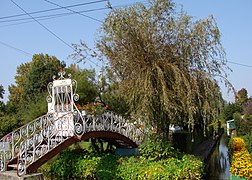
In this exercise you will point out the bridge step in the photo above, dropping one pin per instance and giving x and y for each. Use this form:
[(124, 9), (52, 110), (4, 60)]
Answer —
[(12, 166), (12, 175)]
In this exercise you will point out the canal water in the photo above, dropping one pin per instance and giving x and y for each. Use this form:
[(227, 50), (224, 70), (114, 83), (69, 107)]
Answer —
[(218, 165)]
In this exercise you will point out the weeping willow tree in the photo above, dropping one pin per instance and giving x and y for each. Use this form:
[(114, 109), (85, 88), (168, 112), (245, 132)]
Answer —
[(167, 63)]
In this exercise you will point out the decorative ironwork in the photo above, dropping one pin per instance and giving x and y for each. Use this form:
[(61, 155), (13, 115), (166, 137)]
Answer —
[(10, 143), (62, 93), (44, 140), (49, 88), (33, 140)]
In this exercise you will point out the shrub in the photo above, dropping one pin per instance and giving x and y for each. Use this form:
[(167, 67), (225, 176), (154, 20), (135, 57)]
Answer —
[(238, 144), (241, 160), (70, 164), (243, 124), (97, 166), (156, 149), (248, 141), (95, 108), (157, 160), (188, 167)]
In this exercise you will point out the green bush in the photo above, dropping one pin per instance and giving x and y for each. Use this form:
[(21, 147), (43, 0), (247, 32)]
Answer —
[(188, 167), (248, 141), (102, 166), (156, 149), (81, 165), (243, 124), (62, 167), (157, 160)]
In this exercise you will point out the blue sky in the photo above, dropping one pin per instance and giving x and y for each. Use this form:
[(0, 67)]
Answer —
[(19, 40)]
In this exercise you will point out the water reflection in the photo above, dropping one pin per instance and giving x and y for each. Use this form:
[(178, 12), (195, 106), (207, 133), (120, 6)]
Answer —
[(218, 165)]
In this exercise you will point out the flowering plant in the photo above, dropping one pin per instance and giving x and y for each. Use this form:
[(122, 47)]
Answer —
[(241, 159), (95, 108)]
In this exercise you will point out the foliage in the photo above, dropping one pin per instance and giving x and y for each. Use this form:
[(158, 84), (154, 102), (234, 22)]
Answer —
[(1, 91), (241, 159), (116, 103), (238, 144), (166, 62), (167, 163), (40, 73), (17, 92), (230, 109), (2, 105), (27, 99), (140, 168), (102, 166), (111, 94), (241, 96), (14, 118), (87, 88), (248, 141), (156, 149), (36, 108), (241, 99), (242, 105), (243, 124), (247, 106), (7, 123), (95, 108), (80, 165), (2, 108), (70, 164), (32, 79)]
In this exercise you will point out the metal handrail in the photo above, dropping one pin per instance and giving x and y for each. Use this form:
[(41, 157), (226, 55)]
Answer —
[(43, 134), (34, 147), (39, 142), (9, 144)]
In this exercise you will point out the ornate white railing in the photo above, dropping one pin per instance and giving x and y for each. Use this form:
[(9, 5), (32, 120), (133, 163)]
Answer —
[(71, 124), (63, 120), (108, 121), (10, 143), (41, 141)]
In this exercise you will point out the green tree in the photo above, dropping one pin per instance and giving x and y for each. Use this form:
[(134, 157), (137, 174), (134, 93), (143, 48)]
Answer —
[(230, 109), (243, 124), (2, 105), (17, 95), (111, 95), (40, 73), (7, 124), (32, 79), (247, 106), (87, 87), (241, 96), (27, 99), (1, 91), (166, 62)]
